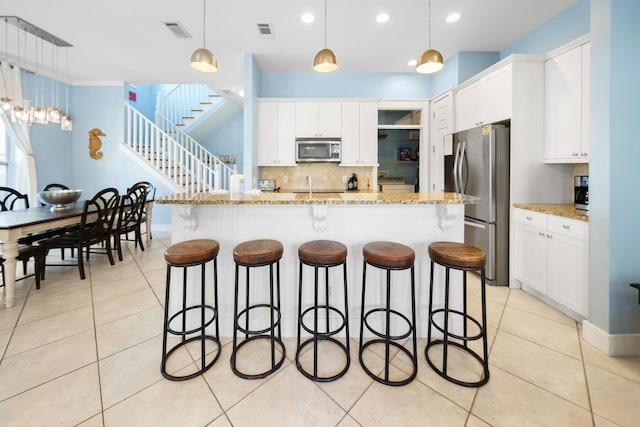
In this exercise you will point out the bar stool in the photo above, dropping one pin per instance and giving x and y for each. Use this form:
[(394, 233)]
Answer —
[(389, 256), (187, 254), (458, 256), (322, 254), (258, 253)]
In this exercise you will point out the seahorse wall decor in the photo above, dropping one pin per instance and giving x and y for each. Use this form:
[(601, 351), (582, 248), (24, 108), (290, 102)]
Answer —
[(95, 143)]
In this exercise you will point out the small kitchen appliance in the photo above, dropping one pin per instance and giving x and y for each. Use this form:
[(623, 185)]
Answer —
[(581, 192), (317, 150)]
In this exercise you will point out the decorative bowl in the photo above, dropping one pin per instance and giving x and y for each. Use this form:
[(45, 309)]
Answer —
[(60, 198)]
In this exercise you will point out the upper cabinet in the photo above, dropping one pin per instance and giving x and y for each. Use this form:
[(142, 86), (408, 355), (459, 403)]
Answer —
[(359, 134), (318, 120), (441, 126), (486, 100), (567, 100), (276, 133)]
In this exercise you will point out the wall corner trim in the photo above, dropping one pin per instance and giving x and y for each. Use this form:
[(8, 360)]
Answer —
[(611, 344)]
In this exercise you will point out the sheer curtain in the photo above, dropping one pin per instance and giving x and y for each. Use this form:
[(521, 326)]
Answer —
[(23, 165)]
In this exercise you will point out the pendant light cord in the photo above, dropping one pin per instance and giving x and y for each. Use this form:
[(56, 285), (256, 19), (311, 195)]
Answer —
[(204, 23), (429, 24), (325, 24)]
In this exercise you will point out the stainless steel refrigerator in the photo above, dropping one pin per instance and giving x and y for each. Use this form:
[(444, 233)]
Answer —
[(479, 166)]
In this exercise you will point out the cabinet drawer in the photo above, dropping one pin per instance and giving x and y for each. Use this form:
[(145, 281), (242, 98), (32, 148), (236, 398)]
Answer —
[(568, 227), (532, 218)]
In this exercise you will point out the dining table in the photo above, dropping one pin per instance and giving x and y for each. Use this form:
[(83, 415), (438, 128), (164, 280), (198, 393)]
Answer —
[(21, 222)]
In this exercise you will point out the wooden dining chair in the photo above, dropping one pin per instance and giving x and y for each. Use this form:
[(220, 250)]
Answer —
[(151, 196), (130, 217), (95, 228), (11, 199)]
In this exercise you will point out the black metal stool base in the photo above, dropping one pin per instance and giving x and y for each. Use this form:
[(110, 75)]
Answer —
[(386, 380), (439, 371), (314, 376), (204, 367), (274, 365)]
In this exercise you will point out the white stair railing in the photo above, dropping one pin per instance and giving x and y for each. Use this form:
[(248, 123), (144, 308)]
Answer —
[(184, 101), (172, 158)]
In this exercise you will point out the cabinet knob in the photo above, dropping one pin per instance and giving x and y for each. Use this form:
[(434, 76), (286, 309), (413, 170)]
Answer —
[(549, 236), (541, 233), (528, 218), (574, 154), (584, 154), (566, 227)]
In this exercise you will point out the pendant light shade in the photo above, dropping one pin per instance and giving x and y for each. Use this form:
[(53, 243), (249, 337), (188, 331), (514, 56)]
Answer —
[(325, 60), (203, 59), (431, 60)]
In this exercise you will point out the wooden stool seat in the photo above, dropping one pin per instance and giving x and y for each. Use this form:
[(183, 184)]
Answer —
[(191, 252), (258, 252), (388, 255), (457, 255), (322, 252)]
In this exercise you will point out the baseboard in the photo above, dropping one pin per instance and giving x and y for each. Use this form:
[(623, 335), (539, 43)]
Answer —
[(160, 227), (611, 344)]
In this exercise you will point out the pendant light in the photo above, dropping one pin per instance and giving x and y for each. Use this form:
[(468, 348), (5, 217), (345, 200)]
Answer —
[(202, 59), (325, 60), (20, 113), (53, 112), (431, 60), (38, 112), (6, 102), (66, 123)]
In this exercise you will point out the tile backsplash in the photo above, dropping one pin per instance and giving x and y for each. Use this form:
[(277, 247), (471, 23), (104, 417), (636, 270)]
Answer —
[(324, 176)]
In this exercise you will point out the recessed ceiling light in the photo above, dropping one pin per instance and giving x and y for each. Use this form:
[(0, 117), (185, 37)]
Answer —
[(412, 63), (382, 18), (453, 17), (308, 18), (241, 93)]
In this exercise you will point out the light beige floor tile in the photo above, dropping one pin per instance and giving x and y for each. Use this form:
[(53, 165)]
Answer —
[(509, 401), (474, 421), (106, 290), (349, 388), (157, 405), (462, 396), (156, 277), (129, 371), (409, 405), (603, 422), (124, 305), (9, 316), (65, 401), (542, 331), (497, 294), (42, 306), (4, 339), (228, 388), (494, 312), (151, 260), (119, 271), (42, 332), (221, 421), (129, 331), (526, 302), (37, 366), (628, 367), (614, 397), (560, 374), (298, 402), (348, 421), (159, 292), (92, 422)]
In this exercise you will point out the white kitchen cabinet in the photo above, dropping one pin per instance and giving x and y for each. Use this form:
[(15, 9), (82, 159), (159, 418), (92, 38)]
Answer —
[(276, 133), (318, 119), (359, 134), (441, 126), (487, 100), (552, 254), (567, 100)]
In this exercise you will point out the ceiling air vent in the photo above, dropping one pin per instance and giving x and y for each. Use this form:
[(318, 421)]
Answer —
[(265, 30), (178, 30)]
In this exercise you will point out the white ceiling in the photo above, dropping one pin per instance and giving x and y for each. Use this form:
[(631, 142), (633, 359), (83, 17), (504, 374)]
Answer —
[(126, 41)]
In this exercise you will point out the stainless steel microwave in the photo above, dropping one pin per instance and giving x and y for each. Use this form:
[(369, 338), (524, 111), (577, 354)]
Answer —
[(317, 150)]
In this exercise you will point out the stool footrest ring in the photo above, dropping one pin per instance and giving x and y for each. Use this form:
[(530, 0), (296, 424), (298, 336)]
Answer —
[(184, 312), (340, 327), (382, 335), (465, 317), (261, 331)]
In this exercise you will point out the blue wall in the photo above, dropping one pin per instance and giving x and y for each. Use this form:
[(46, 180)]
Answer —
[(227, 139)]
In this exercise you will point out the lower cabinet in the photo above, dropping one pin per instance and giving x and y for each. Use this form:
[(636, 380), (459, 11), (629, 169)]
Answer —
[(552, 257)]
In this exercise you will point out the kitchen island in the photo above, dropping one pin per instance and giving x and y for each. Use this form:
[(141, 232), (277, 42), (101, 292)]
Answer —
[(353, 218)]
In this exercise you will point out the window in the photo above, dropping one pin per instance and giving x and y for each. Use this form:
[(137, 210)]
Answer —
[(4, 155)]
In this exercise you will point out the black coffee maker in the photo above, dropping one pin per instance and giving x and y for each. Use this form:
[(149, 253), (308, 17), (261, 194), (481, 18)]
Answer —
[(581, 192)]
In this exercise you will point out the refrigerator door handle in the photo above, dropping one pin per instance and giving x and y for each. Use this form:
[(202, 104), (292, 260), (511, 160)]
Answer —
[(463, 185), (454, 172), (475, 224)]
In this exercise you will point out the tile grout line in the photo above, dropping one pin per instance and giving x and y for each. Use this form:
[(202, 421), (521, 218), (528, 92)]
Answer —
[(95, 337)]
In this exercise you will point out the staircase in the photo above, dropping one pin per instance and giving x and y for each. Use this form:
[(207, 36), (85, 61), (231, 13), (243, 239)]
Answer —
[(180, 160)]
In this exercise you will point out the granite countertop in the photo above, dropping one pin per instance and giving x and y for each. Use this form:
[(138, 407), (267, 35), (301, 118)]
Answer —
[(358, 197), (564, 210)]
